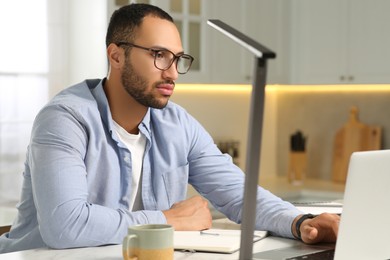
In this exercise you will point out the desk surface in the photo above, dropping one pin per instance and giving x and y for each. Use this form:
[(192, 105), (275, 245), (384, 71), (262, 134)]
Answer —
[(115, 252), (280, 186)]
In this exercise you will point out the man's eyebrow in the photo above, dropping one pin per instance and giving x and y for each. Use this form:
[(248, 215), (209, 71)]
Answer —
[(165, 49)]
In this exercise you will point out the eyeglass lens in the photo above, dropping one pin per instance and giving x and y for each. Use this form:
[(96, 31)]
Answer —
[(164, 59), (183, 64)]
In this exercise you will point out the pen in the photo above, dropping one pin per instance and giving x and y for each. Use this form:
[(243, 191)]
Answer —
[(227, 234), (202, 232)]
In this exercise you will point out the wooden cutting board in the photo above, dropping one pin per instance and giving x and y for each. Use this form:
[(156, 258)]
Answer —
[(353, 136)]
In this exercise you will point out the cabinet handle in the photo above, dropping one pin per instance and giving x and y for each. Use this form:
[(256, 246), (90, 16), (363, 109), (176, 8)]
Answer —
[(342, 78), (350, 78)]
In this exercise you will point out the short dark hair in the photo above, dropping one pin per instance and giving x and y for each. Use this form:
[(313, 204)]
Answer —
[(125, 20)]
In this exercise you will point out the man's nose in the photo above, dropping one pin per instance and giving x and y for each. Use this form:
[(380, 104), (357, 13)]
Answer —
[(171, 73)]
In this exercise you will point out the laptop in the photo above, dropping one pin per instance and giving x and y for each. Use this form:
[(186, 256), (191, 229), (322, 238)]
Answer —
[(365, 222)]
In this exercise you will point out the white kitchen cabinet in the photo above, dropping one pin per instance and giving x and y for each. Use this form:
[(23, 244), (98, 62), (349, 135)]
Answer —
[(262, 20), (316, 41), (267, 21), (340, 42), (218, 59), (225, 60)]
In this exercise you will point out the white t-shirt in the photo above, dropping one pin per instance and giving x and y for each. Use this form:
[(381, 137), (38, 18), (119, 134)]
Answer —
[(136, 145)]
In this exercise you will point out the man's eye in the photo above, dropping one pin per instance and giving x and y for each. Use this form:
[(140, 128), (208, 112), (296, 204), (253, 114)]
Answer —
[(159, 54)]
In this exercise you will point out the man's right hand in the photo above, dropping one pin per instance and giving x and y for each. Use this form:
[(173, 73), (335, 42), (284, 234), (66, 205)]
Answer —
[(190, 214)]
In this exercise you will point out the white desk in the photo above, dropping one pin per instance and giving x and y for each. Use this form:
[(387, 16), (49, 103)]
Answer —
[(115, 252)]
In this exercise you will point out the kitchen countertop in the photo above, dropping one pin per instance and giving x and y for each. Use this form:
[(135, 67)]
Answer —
[(310, 190), (280, 186)]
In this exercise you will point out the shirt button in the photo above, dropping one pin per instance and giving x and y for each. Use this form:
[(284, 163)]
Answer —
[(127, 159)]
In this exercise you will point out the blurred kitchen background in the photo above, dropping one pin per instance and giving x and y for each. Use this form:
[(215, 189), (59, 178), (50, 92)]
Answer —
[(331, 55)]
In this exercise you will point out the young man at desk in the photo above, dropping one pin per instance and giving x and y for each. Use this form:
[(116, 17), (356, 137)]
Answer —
[(107, 154)]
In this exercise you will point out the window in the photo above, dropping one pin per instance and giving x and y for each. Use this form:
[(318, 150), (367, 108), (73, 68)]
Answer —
[(23, 85)]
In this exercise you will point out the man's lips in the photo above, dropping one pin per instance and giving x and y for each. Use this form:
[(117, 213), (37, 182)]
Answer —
[(165, 89)]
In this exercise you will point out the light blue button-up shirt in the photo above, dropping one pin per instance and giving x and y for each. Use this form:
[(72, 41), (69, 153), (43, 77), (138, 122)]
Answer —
[(77, 178)]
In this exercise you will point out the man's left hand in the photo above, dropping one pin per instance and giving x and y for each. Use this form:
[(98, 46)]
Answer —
[(322, 228)]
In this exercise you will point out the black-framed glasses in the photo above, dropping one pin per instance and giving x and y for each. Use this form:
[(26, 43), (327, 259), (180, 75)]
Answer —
[(163, 58)]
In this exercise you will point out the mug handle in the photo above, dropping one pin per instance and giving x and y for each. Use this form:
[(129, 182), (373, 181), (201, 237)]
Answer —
[(128, 244)]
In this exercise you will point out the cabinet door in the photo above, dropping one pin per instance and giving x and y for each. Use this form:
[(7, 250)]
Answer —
[(319, 41), (226, 56), (266, 21), (369, 52), (262, 20), (217, 58), (340, 41)]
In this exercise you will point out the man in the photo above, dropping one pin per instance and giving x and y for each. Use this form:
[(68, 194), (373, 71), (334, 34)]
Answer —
[(108, 154)]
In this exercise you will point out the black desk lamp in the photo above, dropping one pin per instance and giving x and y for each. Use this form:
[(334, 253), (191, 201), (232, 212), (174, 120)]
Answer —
[(254, 134)]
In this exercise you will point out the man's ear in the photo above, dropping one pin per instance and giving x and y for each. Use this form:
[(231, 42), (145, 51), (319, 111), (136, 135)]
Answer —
[(115, 55)]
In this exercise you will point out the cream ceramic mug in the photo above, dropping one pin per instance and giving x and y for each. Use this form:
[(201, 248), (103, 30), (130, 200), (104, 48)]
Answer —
[(144, 242)]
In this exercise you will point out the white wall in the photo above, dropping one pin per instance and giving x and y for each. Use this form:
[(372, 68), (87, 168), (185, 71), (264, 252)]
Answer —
[(224, 112), (77, 31), (319, 114)]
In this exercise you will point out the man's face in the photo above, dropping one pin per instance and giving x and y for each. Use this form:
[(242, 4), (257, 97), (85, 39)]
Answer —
[(148, 85)]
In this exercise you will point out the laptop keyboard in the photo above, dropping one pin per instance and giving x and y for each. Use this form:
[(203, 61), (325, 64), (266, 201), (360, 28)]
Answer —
[(322, 255)]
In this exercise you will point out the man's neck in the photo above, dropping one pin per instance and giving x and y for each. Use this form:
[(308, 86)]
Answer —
[(125, 111)]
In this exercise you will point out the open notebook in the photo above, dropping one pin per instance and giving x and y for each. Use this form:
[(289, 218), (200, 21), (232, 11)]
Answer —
[(212, 240)]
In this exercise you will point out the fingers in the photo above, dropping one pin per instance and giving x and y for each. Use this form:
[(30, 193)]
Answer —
[(312, 233), (323, 228), (309, 235)]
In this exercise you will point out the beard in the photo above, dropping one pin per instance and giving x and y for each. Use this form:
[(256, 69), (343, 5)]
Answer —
[(137, 87)]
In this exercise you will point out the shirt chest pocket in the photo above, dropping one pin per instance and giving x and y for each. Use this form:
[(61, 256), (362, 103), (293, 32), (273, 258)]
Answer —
[(176, 182)]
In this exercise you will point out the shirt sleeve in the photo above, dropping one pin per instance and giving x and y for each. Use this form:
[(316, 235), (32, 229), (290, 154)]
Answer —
[(60, 189), (214, 176)]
